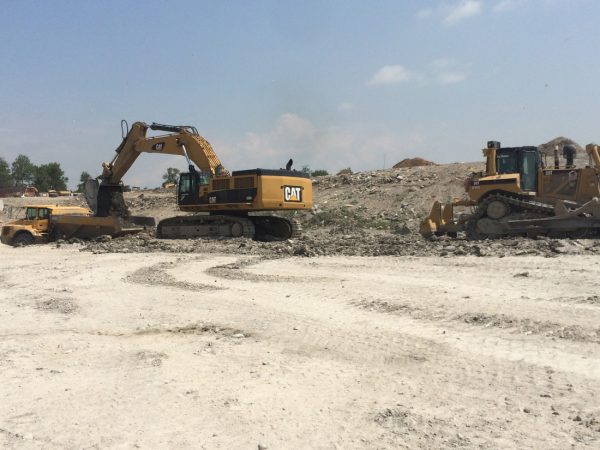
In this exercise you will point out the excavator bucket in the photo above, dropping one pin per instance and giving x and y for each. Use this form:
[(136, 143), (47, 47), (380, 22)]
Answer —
[(106, 200), (439, 221)]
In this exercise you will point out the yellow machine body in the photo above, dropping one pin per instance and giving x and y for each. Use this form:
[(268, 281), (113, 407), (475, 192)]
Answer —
[(551, 192)]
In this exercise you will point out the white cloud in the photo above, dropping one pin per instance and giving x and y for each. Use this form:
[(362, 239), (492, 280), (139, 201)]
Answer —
[(445, 78), (330, 148), (294, 126), (463, 10), (345, 106), (390, 75), (442, 71), (507, 5)]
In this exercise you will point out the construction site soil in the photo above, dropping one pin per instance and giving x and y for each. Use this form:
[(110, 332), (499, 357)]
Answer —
[(357, 334), (363, 214)]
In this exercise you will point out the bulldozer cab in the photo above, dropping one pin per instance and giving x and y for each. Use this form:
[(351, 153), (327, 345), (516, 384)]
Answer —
[(522, 160)]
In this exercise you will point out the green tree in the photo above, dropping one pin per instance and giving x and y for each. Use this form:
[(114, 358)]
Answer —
[(22, 171), (319, 173), (171, 175), (83, 178), (305, 169), (6, 179), (50, 176)]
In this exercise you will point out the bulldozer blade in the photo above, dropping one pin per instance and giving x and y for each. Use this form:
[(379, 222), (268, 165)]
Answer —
[(440, 221)]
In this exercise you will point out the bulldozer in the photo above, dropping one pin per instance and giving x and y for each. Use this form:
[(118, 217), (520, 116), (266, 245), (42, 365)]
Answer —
[(520, 194), (218, 203)]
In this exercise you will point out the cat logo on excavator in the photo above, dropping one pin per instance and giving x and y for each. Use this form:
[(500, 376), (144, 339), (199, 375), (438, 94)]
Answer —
[(292, 193)]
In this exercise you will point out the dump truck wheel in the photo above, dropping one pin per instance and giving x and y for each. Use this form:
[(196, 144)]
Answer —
[(23, 239)]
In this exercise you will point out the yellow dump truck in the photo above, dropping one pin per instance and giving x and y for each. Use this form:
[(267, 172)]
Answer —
[(45, 223)]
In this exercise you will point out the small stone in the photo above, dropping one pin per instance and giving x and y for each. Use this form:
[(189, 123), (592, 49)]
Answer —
[(262, 447), (527, 410), (238, 336), (577, 418)]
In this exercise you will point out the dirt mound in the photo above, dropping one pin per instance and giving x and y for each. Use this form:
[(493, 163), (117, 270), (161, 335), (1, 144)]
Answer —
[(341, 241), (548, 147), (413, 162)]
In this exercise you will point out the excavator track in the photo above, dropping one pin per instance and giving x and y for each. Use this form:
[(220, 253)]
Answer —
[(186, 227), (261, 228), (275, 228)]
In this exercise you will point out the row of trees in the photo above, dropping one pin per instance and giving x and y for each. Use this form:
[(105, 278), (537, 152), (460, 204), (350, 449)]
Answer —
[(22, 172)]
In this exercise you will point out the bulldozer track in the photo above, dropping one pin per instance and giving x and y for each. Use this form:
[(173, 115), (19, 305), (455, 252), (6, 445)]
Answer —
[(521, 204)]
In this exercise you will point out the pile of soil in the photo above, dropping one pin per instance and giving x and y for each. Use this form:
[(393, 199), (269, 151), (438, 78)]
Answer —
[(413, 162), (363, 214), (332, 241), (561, 141)]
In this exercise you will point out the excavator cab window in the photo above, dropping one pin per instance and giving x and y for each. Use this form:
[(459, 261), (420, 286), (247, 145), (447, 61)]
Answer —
[(187, 193)]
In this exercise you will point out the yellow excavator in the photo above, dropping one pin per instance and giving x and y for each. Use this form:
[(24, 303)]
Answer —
[(226, 204), (518, 194)]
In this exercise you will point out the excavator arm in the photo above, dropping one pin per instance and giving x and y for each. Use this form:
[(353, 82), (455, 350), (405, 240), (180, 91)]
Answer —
[(181, 140), (105, 197)]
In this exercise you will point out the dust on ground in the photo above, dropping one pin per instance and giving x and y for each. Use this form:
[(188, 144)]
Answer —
[(293, 352)]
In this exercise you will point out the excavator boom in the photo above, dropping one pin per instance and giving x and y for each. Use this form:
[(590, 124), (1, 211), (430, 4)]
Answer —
[(182, 140)]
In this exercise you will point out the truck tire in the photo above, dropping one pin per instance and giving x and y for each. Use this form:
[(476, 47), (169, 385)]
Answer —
[(23, 238)]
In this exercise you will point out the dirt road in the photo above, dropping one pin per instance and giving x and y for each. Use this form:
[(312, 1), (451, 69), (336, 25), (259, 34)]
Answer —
[(167, 350)]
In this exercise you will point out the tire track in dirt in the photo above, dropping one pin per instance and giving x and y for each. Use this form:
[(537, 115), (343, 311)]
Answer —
[(378, 353), (235, 271), (485, 320), (156, 275)]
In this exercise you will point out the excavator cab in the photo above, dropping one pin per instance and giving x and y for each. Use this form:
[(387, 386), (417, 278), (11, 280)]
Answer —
[(188, 188)]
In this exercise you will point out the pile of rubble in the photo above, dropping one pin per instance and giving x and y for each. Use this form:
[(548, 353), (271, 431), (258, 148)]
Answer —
[(374, 213), (334, 242)]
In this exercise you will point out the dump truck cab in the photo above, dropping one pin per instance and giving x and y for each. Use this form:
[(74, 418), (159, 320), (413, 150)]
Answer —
[(37, 224)]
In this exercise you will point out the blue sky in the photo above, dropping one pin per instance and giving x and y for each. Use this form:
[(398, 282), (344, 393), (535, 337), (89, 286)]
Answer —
[(330, 83)]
